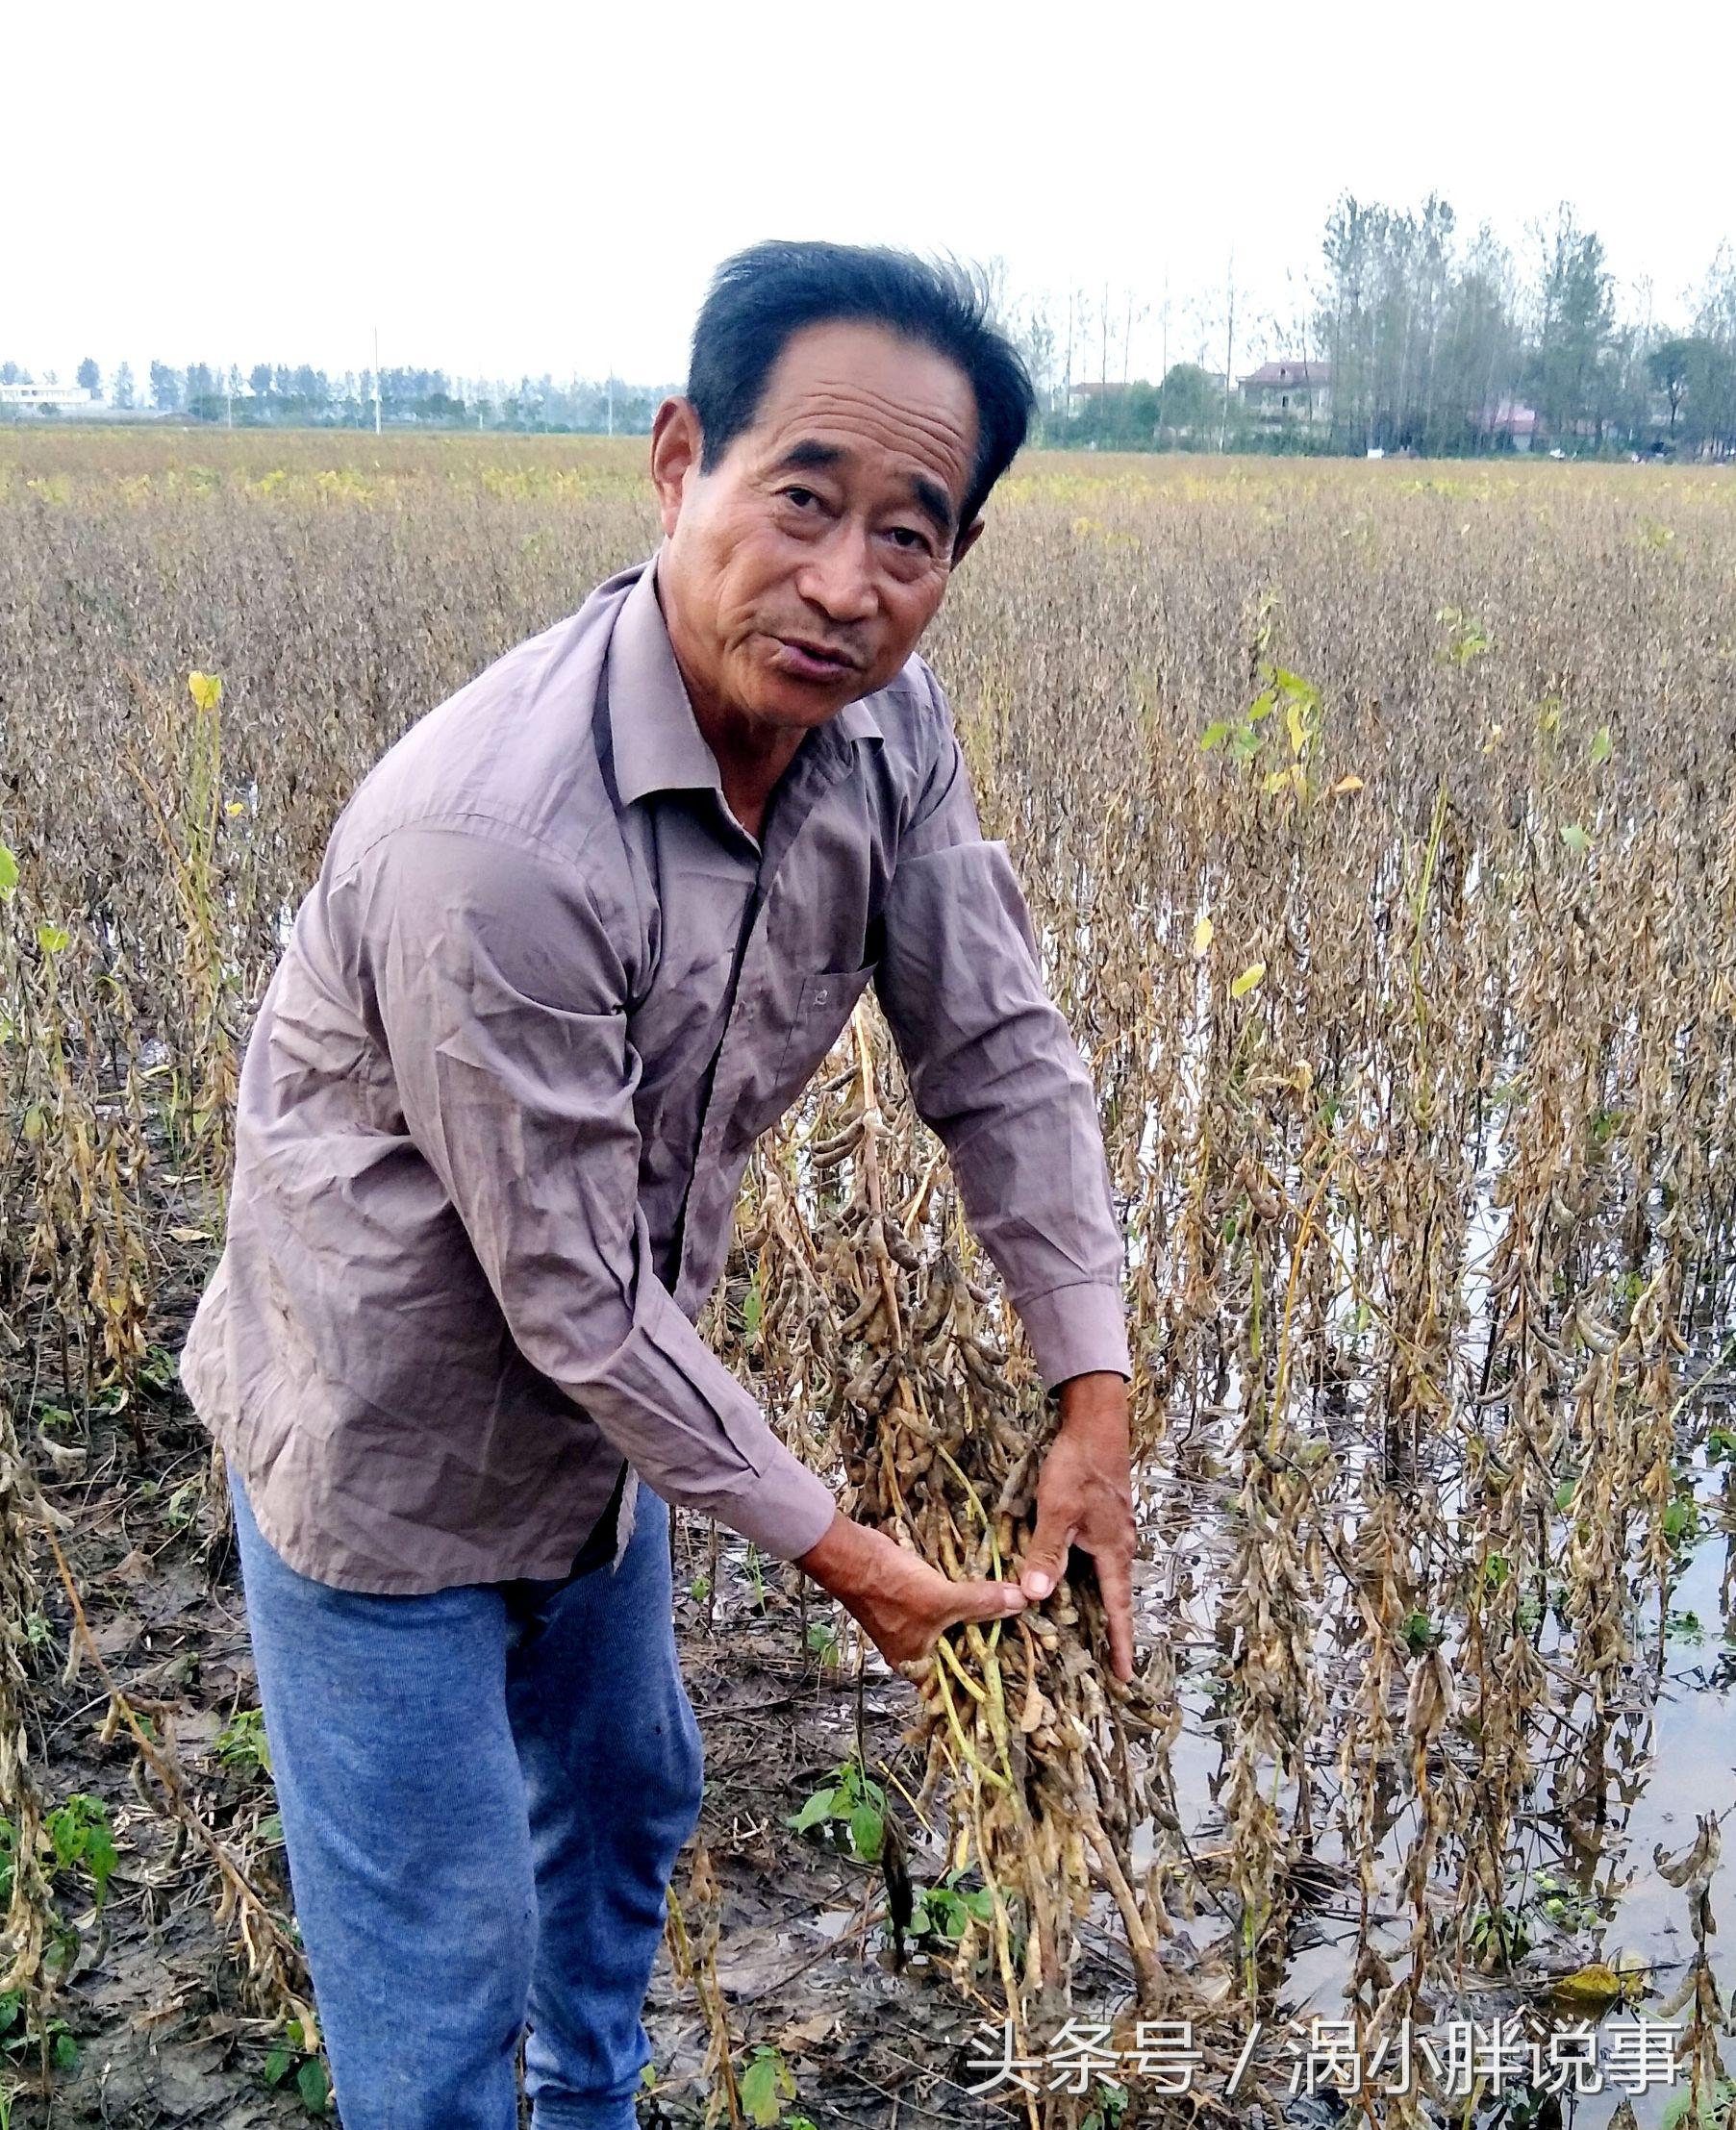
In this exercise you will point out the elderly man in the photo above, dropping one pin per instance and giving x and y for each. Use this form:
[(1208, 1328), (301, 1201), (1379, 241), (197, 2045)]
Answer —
[(578, 938)]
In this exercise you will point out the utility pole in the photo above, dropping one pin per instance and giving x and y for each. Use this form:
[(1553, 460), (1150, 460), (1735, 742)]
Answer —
[(1162, 375), (376, 381), (1103, 340), (1229, 355)]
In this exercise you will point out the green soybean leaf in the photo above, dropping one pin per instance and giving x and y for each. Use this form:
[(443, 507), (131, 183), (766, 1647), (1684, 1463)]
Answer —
[(819, 1807), (868, 1831), (758, 2090)]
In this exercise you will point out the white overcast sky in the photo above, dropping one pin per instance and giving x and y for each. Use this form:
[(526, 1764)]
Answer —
[(529, 187)]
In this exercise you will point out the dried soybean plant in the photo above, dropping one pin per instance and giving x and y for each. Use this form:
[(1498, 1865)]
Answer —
[(30, 1912), (1046, 1763)]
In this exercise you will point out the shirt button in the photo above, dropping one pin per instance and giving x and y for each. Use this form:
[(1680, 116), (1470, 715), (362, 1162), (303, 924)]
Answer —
[(820, 995)]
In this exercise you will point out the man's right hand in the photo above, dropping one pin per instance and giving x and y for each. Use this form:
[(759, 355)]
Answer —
[(899, 1600)]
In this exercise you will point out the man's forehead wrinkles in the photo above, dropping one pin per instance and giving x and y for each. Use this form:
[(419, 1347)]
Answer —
[(848, 395), (936, 444)]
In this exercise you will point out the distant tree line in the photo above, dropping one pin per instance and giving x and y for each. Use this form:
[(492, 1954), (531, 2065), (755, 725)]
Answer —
[(301, 395), (1413, 337), (1432, 343)]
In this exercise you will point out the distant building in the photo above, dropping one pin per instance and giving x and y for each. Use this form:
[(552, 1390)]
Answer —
[(1094, 395), (1506, 418), (1289, 391), (65, 399)]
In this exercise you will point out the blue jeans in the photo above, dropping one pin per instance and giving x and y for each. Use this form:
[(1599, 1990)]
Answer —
[(484, 1791)]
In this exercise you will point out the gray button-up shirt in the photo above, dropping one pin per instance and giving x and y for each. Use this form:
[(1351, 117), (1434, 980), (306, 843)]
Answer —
[(494, 1109)]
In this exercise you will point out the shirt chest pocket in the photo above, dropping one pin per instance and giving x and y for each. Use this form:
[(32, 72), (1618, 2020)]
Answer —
[(822, 1006)]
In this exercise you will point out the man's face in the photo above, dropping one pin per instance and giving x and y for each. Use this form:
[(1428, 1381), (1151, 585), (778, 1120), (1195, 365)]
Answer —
[(800, 572)]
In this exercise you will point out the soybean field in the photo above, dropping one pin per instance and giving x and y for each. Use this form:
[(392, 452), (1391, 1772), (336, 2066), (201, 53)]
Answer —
[(1377, 823)]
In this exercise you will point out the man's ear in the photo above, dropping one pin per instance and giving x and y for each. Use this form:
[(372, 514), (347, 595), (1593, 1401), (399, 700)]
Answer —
[(677, 444), (967, 540)]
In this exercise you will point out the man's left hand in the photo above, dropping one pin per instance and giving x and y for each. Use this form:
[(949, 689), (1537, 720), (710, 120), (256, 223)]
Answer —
[(1084, 1498)]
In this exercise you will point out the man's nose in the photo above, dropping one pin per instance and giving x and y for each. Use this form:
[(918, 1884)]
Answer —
[(838, 576)]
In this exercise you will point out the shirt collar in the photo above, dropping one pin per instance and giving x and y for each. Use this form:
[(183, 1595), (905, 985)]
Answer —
[(657, 742), (658, 746)]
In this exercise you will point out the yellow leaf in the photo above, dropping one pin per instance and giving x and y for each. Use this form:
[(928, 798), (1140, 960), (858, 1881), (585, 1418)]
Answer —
[(235, 806), (206, 689), (1202, 934), (1590, 1986), (188, 1234), (1249, 977), (1347, 783)]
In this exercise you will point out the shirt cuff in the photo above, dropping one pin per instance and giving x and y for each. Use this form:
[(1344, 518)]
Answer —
[(785, 1510), (1075, 1330)]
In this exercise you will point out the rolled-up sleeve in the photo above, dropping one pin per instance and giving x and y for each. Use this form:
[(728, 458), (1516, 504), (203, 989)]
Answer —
[(994, 1070), (501, 1005)]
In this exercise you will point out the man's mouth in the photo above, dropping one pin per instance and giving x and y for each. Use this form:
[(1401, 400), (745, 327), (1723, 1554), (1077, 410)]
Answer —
[(810, 661)]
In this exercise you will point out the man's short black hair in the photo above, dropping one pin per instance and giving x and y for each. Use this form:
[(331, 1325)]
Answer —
[(759, 297)]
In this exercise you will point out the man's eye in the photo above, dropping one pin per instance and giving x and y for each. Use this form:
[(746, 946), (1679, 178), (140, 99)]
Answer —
[(908, 538), (800, 497)]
